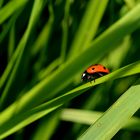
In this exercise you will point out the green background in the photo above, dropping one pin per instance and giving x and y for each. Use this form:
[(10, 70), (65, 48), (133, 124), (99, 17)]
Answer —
[(45, 46)]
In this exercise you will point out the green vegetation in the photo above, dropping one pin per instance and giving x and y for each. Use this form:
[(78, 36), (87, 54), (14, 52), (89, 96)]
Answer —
[(44, 48)]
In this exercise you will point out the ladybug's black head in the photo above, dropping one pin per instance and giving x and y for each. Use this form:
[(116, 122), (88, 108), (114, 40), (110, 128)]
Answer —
[(86, 77), (83, 76)]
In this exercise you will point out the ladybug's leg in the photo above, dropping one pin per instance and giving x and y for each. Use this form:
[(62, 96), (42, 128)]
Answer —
[(100, 74), (92, 78), (89, 78)]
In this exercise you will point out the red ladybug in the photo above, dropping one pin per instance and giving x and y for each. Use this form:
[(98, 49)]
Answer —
[(93, 72)]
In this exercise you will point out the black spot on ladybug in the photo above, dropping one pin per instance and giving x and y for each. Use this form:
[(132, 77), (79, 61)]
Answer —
[(93, 68), (104, 67), (95, 64)]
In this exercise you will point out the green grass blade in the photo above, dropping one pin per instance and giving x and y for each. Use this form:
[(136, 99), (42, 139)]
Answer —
[(9, 68), (130, 3), (92, 29), (12, 38), (8, 25), (116, 116), (45, 34), (65, 26), (11, 45), (120, 53), (47, 126), (11, 63), (88, 26), (89, 117), (22, 119), (5, 30), (19, 53), (45, 72), (80, 116), (26, 118), (10, 8)]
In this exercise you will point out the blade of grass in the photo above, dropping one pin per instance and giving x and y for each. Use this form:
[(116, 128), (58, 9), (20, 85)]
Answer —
[(5, 30), (45, 34), (19, 52), (89, 117), (65, 25), (8, 25), (120, 53), (88, 25), (92, 29), (130, 3), (47, 126), (11, 44), (80, 116), (64, 75), (26, 118), (42, 43), (116, 116), (45, 72), (10, 121), (9, 68), (10, 8)]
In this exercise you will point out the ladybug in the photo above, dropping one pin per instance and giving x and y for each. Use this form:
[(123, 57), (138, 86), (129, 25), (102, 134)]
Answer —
[(93, 72)]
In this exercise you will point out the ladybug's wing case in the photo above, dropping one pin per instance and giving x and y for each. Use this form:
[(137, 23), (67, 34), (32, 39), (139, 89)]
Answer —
[(97, 68)]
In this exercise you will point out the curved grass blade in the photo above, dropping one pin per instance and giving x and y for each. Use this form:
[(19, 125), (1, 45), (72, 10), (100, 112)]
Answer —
[(116, 116), (18, 54), (88, 26), (89, 117), (45, 34), (47, 125), (29, 118), (10, 8), (65, 26)]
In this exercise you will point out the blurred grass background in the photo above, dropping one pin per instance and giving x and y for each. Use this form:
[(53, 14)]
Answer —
[(45, 46)]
